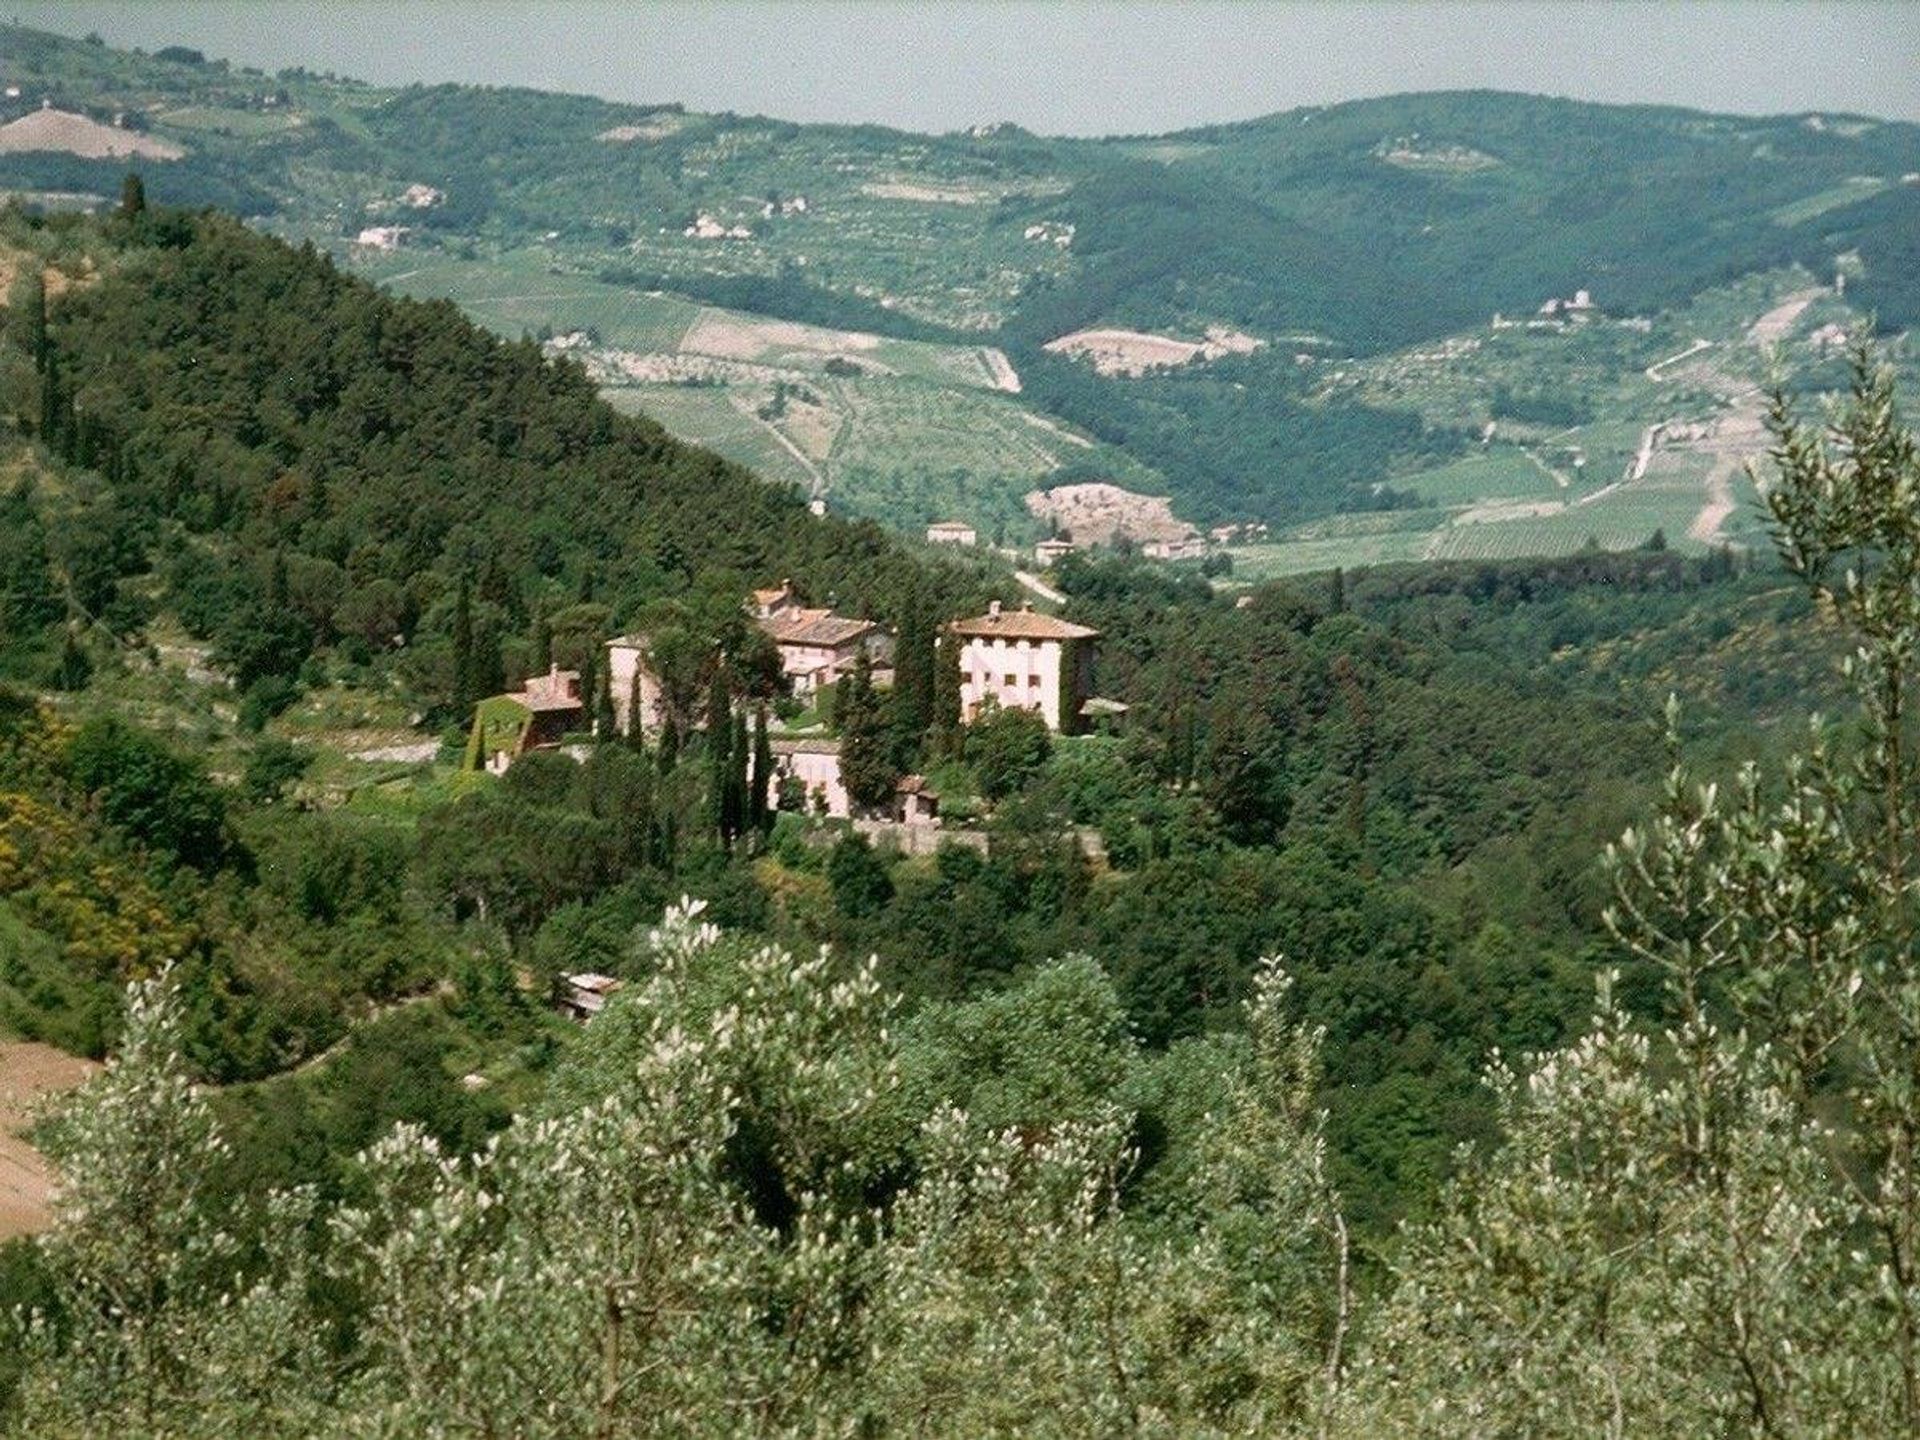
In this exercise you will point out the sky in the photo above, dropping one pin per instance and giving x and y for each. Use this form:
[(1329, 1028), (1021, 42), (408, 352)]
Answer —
[(1080, 67)]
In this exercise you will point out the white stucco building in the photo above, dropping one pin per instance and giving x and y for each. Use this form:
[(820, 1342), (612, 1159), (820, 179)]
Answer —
[(815, 763), (1025, 660)]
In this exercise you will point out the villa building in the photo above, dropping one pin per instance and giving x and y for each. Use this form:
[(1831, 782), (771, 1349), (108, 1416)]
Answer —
[(1020, 659)]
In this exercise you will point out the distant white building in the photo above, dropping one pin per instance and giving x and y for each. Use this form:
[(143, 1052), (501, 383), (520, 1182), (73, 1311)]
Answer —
[(1186, 547), (1019, 659), (383, 237), (1049, 552), (952, 532)]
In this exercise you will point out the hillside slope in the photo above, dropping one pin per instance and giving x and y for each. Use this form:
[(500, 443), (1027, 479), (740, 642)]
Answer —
[(1312, 236)]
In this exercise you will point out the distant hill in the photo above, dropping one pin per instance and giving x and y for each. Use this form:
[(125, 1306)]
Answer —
[(1329, 235)]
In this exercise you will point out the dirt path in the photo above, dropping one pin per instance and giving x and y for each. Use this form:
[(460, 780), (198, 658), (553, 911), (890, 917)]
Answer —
[(1039, 587), (741, 404), (1774, 325), (30, 1073), (1653, 370), (1719, 503)]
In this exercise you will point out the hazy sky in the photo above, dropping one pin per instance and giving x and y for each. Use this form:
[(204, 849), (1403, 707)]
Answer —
[(1076, 68)]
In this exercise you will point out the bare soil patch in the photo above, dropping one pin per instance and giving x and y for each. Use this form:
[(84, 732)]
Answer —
[(1095, 512), (1135, 352), (30, 1073), (77, 135)]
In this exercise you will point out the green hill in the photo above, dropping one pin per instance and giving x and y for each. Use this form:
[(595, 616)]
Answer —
[(1356, 231)]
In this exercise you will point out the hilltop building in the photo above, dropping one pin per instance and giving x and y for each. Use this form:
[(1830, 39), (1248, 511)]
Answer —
[(1020, 659)]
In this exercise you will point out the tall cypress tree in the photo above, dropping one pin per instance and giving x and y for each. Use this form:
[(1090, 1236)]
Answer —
[(606, 726), (946, 696), (719, 756), (464, 698), (133, 197), (760, 799), (914, 667), (866, 756), (636, 716), (739, 799)]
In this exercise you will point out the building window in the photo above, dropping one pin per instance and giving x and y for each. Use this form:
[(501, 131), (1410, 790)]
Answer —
[(1033, 682), (1012, 680)]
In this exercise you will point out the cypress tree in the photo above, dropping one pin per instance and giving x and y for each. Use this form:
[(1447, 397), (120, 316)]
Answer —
[(719, 756), (669, 744), (946, 696), (133, 197), (542, 642), (760, 806), (866, 757), (915, 664), (590, 690), (606, 725), (739, 802), (636, 717), (464, 697)]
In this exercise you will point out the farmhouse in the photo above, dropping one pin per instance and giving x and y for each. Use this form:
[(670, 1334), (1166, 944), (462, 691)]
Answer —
[(535, 717), (951, 532), (817, 647), (585, 995), (1020, 659)]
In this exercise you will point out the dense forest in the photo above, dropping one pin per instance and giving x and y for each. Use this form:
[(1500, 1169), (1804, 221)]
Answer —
[(1207, 1099)]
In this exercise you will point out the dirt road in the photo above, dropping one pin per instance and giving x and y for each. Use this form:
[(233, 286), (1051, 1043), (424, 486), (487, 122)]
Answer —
[(30, 1073)]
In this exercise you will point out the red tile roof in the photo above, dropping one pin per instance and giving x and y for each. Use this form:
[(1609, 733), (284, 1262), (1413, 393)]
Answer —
[(1022, 624)]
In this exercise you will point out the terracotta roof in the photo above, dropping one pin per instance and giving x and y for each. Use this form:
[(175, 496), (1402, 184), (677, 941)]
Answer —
[(804, 745), (635, 641), (556, 690), (915, 785), (814, 627), (1022, 624)]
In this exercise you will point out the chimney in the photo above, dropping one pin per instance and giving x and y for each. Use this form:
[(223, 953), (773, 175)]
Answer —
[(993, 609)]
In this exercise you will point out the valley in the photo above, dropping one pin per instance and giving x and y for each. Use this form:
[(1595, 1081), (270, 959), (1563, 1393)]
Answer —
[(915, 327)]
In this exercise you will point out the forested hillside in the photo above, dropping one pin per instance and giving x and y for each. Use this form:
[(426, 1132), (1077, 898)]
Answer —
[(1188, 1055), (671, 249)]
